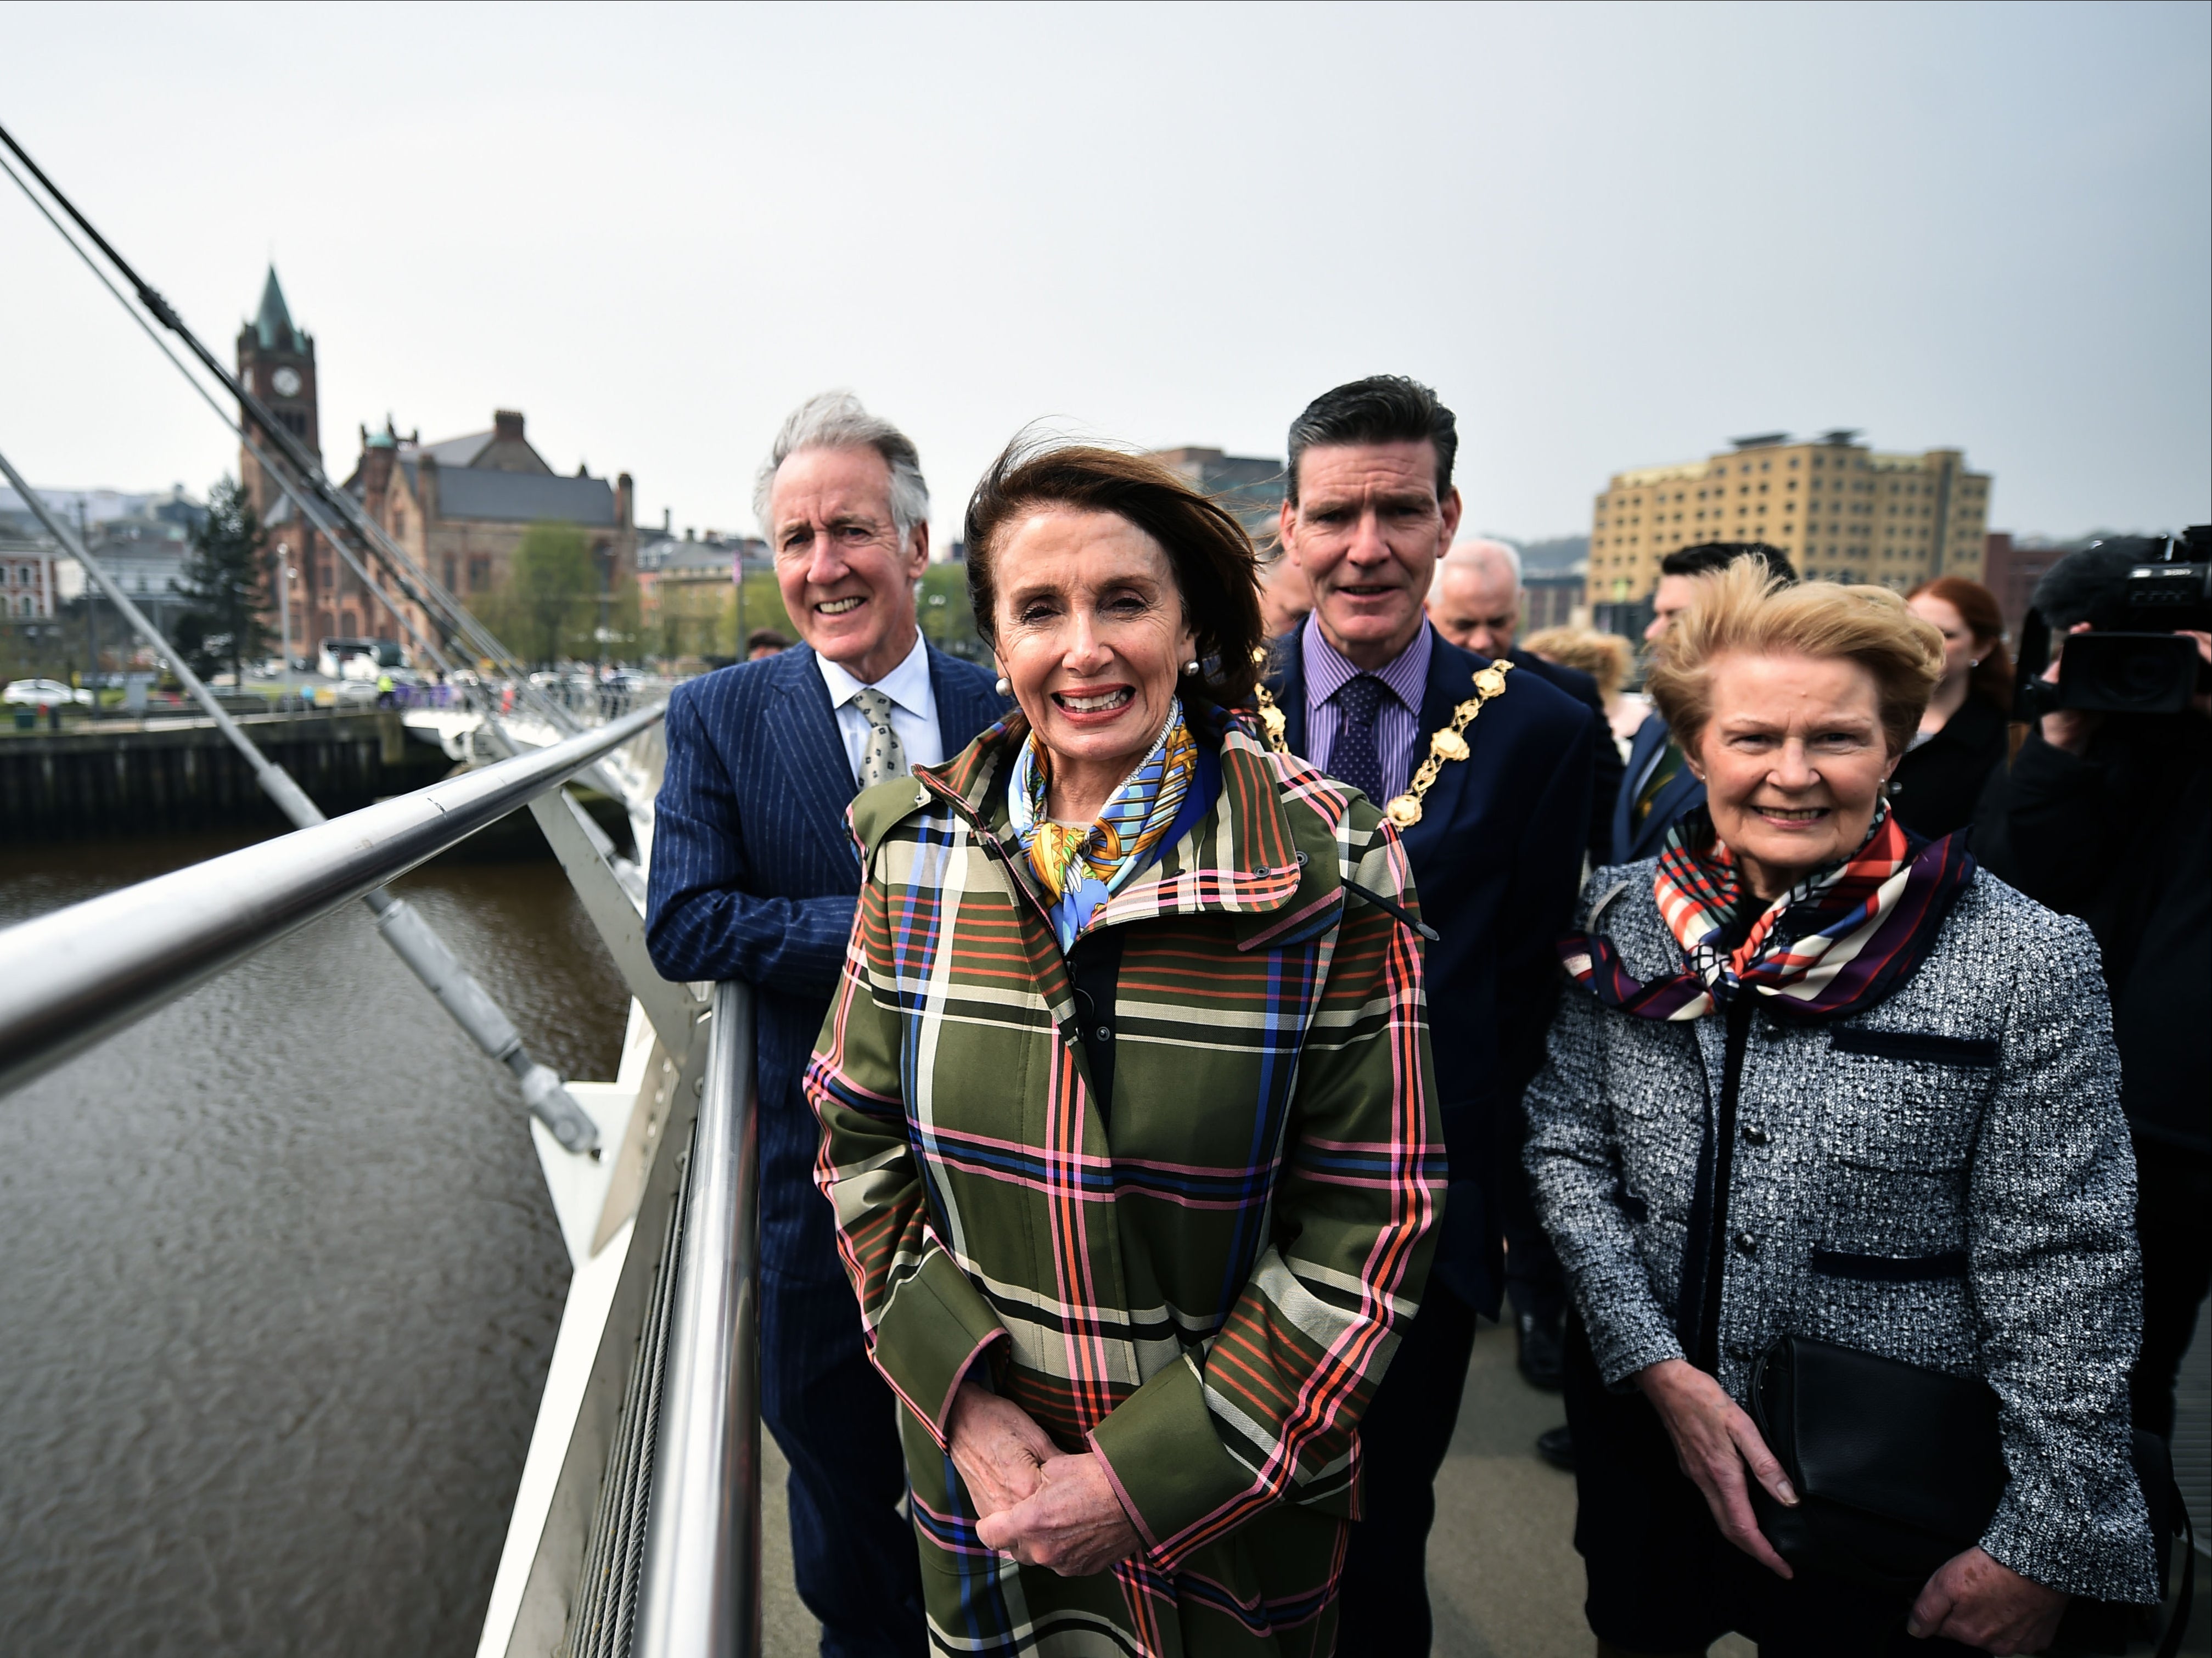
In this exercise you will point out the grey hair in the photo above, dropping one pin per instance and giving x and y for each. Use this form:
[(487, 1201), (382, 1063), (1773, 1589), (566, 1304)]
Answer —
[(1473, 553), (837, 420)]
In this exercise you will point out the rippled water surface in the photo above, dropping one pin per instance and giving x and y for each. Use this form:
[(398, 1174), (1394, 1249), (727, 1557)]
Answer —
[(279, 1281)]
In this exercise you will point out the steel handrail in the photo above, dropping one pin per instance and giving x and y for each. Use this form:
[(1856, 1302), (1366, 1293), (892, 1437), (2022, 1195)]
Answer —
[(71, 978), (701, 1594)]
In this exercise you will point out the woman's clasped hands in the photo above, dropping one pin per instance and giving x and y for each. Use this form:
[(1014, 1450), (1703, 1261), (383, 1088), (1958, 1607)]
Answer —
[(1040, 1506)]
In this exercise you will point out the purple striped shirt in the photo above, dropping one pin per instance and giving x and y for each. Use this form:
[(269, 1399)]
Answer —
[(1397, 723)]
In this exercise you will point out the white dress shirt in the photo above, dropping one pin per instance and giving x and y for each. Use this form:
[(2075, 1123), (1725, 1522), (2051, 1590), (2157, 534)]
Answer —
[(913, 708)]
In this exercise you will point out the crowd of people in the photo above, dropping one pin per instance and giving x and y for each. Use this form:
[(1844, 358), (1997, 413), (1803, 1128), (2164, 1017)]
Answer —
[(1175, 1041)]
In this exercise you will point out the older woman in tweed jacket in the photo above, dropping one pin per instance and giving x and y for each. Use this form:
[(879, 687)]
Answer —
[(1125, 1105), (1826, 1079)]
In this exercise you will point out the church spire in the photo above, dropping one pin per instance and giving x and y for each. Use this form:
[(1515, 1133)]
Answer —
[(273, 326)]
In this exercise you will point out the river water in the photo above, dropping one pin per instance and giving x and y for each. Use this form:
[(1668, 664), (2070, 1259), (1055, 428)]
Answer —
[(279, 1282)]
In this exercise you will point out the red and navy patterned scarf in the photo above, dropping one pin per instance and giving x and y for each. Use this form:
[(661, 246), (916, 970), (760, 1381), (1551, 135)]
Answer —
[(1834, 943)]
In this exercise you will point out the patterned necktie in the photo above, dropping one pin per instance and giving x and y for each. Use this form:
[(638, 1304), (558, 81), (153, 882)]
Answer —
[(1353, 756), (1669, 766), (885, 756)]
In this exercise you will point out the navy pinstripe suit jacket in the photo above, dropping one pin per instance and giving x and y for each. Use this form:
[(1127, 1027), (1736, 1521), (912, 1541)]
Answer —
[(754, 877)]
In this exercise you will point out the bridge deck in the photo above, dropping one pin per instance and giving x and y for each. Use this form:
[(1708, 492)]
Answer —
[(1503, 1572)]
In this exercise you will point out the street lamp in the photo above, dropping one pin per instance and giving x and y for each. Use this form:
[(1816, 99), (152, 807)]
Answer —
[(284, 575)]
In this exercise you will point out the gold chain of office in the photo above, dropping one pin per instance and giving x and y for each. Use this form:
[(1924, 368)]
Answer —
[(1447, 744)]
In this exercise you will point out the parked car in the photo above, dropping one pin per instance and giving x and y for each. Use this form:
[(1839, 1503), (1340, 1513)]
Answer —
[(43, 694)]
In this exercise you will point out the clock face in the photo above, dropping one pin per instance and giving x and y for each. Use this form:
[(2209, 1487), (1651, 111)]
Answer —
[(287, 382)]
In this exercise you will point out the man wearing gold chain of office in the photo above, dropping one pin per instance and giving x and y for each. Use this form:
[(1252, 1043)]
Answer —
[(1486, 772)]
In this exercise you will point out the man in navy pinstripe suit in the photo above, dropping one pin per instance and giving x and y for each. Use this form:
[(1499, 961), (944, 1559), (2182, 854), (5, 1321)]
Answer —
[(754, 877)]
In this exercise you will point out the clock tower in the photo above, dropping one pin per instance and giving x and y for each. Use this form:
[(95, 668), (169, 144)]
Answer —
[(277, 364)]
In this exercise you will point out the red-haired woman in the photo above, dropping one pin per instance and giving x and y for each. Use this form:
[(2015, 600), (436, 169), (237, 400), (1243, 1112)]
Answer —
[(1961, 737)]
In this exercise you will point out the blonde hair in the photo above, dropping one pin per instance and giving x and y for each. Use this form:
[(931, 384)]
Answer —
[(1604, 657), (1742, 610)]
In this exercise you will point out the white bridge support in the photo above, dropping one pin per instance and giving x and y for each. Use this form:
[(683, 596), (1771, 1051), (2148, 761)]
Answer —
[(650, 1106), (615, 1215)]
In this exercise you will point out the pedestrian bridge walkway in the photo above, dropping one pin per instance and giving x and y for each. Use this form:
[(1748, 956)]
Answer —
[(1504, 1576)]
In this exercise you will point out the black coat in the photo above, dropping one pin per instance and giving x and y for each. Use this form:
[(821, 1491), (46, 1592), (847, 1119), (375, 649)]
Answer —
[(1685, 794), (1497, 858), (1605, 757), (2121, 837), (1934, 786)]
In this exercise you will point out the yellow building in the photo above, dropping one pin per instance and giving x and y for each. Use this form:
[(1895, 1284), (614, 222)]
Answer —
[(1842, 512)]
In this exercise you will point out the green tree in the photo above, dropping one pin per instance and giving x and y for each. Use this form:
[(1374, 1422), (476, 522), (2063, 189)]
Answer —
[(946, 617), (223, 585), (548, 605), (625, 622)]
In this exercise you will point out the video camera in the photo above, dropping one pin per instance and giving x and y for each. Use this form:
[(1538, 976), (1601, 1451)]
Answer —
[(2135, 658)]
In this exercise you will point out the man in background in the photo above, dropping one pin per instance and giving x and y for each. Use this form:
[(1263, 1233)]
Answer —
[(1496, 849), (2108, 816), (755, 878), (1658, 788), (1286, 599), (1475, 600)]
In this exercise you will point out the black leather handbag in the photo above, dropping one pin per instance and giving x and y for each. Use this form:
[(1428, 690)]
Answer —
[(1898, 1468)]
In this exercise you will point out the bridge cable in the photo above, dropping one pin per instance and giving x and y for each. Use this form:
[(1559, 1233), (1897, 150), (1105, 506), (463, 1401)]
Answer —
[(477, 697), (441, 602), (397, 922)]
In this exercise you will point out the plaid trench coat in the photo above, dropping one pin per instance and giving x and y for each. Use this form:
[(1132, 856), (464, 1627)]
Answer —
[(1201, 1283)]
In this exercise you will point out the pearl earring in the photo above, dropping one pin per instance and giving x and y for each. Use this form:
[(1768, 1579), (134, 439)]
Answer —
[(1190, 668), (1005, 686)]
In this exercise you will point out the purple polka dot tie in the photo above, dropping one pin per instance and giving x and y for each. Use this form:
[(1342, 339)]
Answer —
[(1353, 756)]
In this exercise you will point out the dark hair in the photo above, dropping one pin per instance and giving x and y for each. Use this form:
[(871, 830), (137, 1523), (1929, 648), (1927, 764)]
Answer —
[(2091, 585), (774, 638), (1380, 408), (1991, 679), (1216, 571), (1709, 557)]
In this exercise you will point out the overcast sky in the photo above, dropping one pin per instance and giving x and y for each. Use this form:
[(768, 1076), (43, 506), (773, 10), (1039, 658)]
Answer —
[(1610, 237)]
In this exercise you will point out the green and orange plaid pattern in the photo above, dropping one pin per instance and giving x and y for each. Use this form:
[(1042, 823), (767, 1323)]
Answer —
[(1205, 1292)]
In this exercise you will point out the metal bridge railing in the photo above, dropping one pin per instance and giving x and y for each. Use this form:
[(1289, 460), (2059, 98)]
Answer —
[(699, 1596), (672, 1565), (68, 979)]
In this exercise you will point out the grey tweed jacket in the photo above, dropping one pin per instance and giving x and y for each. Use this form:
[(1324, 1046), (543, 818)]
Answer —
[(1945, 1178)]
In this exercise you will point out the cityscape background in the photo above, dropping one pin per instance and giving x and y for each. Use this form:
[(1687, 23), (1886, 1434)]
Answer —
[(1904, 289), (1612, 238)]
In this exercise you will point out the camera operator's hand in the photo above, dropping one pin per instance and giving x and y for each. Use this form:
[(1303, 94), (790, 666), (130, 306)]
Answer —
[(2069, 729), (2202, 701)]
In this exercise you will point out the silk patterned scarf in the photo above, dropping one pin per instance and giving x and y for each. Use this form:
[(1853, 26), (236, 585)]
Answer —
[(1834, 943), (1080, 867)]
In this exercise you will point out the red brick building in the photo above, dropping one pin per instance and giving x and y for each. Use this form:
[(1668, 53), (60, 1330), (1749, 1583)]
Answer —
[(460, 507)]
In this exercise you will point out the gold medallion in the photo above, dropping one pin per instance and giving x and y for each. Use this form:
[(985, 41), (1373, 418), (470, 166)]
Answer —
[(1447, 744)]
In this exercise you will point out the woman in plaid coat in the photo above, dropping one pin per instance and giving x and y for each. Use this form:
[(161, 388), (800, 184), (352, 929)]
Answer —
[(1124, 1104)]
